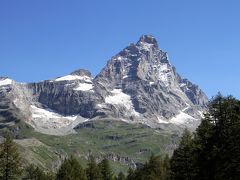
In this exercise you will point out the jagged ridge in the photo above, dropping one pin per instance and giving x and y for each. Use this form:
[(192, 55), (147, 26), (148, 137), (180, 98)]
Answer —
[(138, 85)]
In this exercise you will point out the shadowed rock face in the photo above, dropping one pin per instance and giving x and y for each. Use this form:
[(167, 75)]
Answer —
[(139, 84)]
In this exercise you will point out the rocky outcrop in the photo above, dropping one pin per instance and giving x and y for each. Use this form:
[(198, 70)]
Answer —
[(69, 95), (15, 100), (123, 160)]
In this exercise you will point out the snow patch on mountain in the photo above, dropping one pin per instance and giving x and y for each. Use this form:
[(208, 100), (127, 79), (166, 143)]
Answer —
[(145, 46), (84, 87), (182, 85), (119, 58), (47, 113), (186, 108), (74, 77), (48, 122), (122, 99), (5, 82), (118, 97), (165, 74), (201, 114), (182, 118), (161, 121)]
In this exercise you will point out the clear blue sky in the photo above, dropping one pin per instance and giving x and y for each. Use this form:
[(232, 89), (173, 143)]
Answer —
[(49, 38)]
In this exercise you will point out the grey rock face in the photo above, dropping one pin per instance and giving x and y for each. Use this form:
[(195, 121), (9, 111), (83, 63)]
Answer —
[(144, 72), (139, 84), (14, 102), (193, 92), (82, 72), (62, 98)]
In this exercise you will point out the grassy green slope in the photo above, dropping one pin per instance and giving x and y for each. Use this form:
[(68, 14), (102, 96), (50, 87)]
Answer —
[(121, 142)]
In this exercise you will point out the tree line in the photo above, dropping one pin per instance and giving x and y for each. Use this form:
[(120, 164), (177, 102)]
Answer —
[(211, 152)]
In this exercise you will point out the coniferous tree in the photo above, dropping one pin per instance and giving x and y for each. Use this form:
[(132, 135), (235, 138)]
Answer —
[(30, 172), (71, 170), (93, 171), (215, 147), (182, 163), (106, 170), (155, 168), (120, 176), (225, 114), (131, 174), (204, 151), (166, 168), (10, 161), (35, 173), (213, 151)]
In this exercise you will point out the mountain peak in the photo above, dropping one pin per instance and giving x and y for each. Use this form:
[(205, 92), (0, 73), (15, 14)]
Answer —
[(149, 39), (138, 85), (81, 72)]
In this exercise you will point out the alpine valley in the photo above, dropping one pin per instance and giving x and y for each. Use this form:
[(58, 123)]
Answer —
[(137, 105)]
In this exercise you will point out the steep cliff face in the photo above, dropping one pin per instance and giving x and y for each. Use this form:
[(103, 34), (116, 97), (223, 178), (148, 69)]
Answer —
[(15, 100), (69, 95), (138, 85)]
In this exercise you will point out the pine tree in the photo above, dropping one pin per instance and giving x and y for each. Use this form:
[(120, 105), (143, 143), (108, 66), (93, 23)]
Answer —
[(131, 174), (120, 176), (30, 172), (155, 168), (182, 164), (225, 112), (214, 152), (10, 161), (106, 170), (204, 151), (35, 173), (93, 171), (71, 170), (166, 168)]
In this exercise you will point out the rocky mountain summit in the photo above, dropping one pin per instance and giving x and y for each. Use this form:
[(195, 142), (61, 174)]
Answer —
[(138, 85)]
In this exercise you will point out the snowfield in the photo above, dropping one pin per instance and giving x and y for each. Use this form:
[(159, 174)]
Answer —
[(74, 77), (165, 74), (182, 118), (162, 121), (121, 99), (84, 87), (5, 82), (49, 122)]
